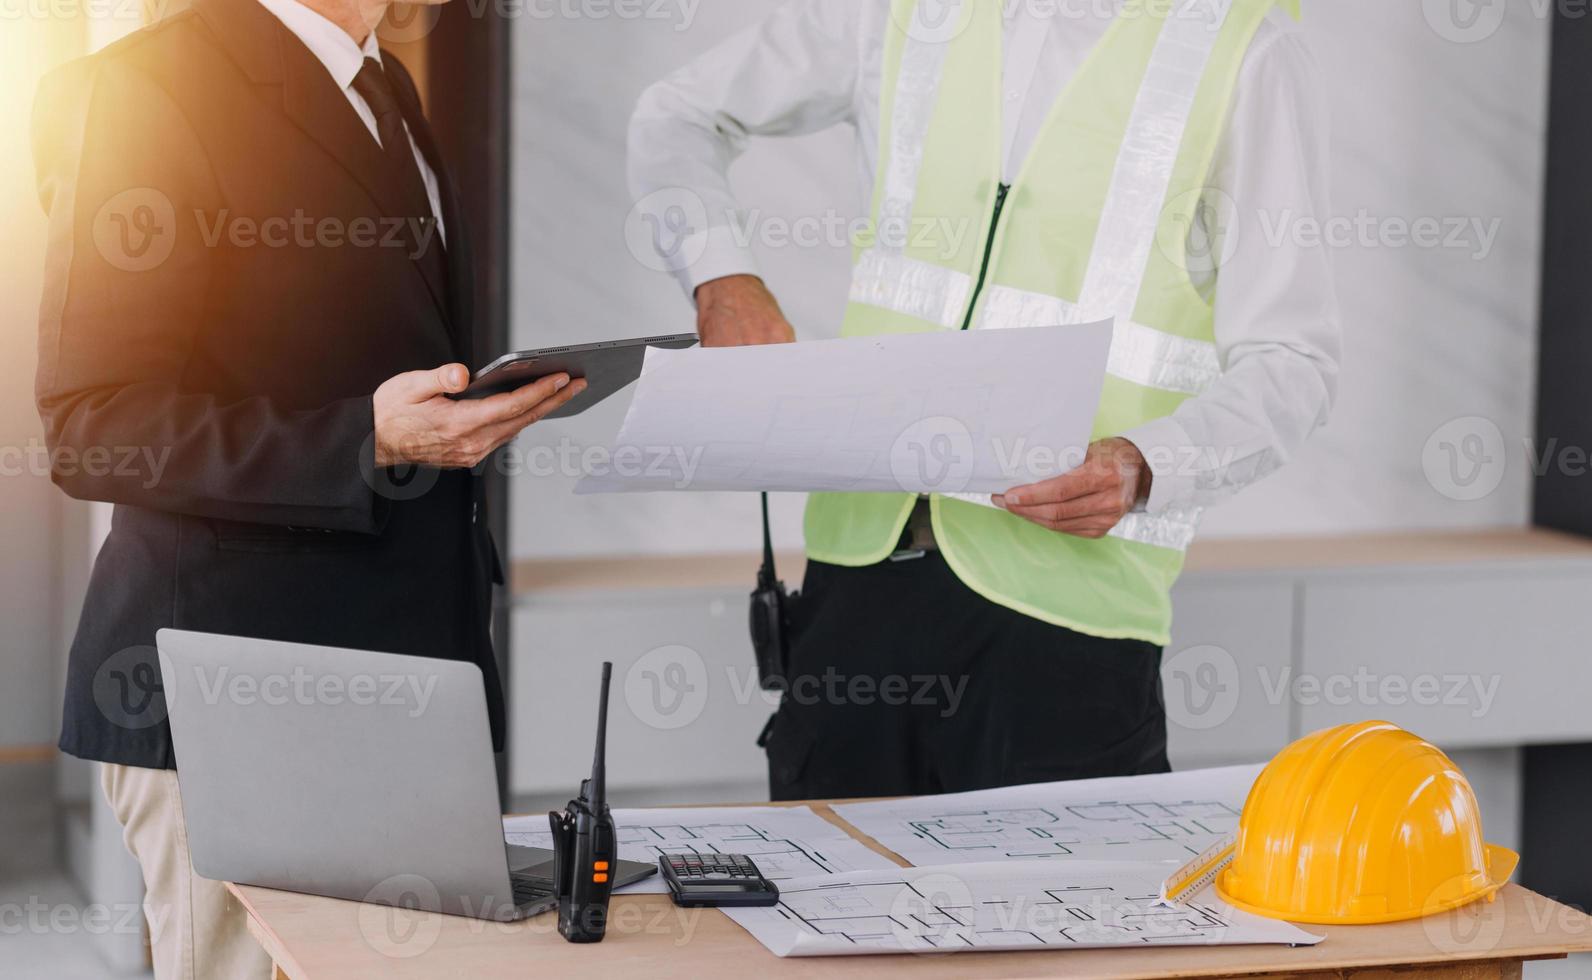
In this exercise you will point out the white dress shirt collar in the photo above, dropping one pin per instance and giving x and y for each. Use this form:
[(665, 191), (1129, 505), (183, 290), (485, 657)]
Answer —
[(334, 49), (330, 44)]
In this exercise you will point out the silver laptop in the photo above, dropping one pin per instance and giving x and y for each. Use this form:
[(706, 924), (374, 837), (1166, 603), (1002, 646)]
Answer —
[(357, 775)]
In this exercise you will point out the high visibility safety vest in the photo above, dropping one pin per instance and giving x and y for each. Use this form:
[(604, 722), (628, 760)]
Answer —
[(1094, 226)]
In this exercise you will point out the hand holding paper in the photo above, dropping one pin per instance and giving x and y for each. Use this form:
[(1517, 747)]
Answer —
[(1090, 500)]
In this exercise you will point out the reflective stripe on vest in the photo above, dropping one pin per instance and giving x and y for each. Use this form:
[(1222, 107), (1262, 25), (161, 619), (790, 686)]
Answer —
[(889, 280), (886, 278), (1132, 212), (1143, 355)]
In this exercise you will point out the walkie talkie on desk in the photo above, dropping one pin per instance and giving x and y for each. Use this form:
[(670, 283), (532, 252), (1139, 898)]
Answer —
[(584, 847)]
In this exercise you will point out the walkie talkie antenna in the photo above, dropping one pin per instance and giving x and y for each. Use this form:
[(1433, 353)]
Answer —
[(599, 762), (585, 853)]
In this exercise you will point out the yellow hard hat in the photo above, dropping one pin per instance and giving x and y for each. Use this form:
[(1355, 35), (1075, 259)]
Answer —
[(1358, 824)]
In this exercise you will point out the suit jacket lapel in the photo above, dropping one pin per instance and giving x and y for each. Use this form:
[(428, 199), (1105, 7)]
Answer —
[(270, 54)]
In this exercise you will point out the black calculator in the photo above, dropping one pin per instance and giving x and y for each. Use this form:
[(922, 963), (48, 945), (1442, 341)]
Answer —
[(707, 880)]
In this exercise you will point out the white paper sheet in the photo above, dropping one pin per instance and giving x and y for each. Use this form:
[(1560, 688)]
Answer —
[(977, 411), (1000, 906), (1170, 817), (786, 842)]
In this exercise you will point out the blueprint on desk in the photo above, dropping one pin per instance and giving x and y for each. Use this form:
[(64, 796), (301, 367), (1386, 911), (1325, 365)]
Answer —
[(786, 842), (1170, 817), (1006, 905)]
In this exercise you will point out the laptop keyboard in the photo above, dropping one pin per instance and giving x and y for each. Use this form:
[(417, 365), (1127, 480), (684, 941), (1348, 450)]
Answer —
[(530, 888)]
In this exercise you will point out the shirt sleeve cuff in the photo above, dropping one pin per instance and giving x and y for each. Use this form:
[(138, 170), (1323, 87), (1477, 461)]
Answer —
[(1165, 447), (710, 255)]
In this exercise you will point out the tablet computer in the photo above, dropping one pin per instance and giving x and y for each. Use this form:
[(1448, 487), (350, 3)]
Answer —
[(607, 367)]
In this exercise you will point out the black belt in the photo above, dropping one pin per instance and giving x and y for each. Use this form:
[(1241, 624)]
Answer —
[(917, 538)]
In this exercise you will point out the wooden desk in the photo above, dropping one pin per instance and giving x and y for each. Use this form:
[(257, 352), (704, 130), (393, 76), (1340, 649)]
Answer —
[(317, 938)]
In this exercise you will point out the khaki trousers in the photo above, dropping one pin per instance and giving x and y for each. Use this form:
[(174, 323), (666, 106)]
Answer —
[(197, 931)]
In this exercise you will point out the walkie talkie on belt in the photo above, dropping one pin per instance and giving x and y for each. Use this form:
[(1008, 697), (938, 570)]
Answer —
[(770, 618), (584, 848)]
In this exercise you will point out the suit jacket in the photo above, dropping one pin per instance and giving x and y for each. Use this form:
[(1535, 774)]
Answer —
[(225, 289)]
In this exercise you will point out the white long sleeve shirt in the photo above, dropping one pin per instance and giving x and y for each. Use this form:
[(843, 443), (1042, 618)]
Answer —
[(818, 63)]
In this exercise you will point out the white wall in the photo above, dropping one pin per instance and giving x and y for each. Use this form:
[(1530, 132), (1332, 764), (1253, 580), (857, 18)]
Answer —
[(576, 82), (1425, 127)]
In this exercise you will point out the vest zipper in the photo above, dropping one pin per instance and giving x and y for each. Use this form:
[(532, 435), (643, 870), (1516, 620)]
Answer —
[(989, 249)]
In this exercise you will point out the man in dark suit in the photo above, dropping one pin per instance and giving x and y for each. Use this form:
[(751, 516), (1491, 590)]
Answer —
[(258, 298)]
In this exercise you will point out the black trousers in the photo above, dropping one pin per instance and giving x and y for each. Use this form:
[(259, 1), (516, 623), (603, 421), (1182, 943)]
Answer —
[(904, 681)]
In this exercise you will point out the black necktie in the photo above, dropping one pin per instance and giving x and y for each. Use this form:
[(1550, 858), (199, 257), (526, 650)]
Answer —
[(403, 172)]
